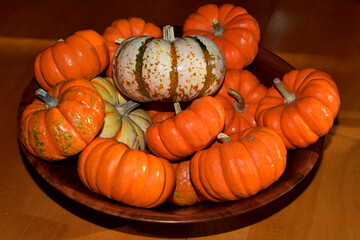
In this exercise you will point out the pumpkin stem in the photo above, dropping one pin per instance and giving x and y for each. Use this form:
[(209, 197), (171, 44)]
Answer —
[(125, 108), (223, 137), (239, 104), (177, 108), (46, 98), (168, 33), (61, 40), (288, 96), (217, 29)]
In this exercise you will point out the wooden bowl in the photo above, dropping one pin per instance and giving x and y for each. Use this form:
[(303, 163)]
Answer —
[(63, 175)]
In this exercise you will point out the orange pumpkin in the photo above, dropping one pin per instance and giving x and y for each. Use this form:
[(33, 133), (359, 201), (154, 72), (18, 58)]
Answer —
[(81, 55), (240, 95), (188, 131), (125, 28), (184, 193), (70, 117), (301, 108), (239, 167), (231, 27), (110, 168)]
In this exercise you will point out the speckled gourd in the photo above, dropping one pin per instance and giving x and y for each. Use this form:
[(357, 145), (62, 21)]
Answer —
[(168, 69)]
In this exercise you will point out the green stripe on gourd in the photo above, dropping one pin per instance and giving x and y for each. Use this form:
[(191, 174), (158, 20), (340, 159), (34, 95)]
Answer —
[(210, 77), (138, 72)]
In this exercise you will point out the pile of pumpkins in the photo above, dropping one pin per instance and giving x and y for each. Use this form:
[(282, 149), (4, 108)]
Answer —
[(153, 118)]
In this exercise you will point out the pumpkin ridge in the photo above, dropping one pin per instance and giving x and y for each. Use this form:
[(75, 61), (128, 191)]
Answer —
[(308, 121), (143, 86), (226, 180), (134, 200), (269, 148), (182, 135), (59, 141), (114, 63), (98, 170), (114, 173), (174, 75), (28, 132), (159, 199), (39, 74), (209, 76), (265, 146), (139, 134), (281, 130), (61, 75), (307, 132), (210, 192), (95, 51)]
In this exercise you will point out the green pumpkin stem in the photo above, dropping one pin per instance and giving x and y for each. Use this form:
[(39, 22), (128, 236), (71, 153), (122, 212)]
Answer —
[(126, 108), (288, 96), (239, 104), (223, 137), (46, 98), (217, 29), (168, 33), (177, 107)]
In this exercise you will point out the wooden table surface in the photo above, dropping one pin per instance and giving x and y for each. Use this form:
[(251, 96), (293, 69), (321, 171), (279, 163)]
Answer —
[(322, 34)]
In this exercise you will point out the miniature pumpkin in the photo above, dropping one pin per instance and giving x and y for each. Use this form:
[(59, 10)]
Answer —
[(240, 95), (231, 27), (301, 108), (82, 55), (125, 28), (184, 193), (166, 69), (123, 120), (70, 117), (239, 167), (188, 131), (109, 168)]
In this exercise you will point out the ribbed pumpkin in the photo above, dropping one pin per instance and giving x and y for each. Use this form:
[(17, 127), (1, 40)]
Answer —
[(124, 28), (64, 122), (240, 95), (187, 132), (240, 167), (82, 55), (301, 108), (184, 193), (231, 27), (123, 120), (166, 69), (109, 168)]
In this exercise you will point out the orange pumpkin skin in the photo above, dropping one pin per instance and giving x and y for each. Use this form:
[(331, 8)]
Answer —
[(240, 168), (82, 55), (125, 28), (237, 33), (133, 177), (188, 131), (240, 117), (63, 130), (304, 120), (184, 193)]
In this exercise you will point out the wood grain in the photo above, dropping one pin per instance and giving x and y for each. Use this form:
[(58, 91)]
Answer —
[(323, 34)]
